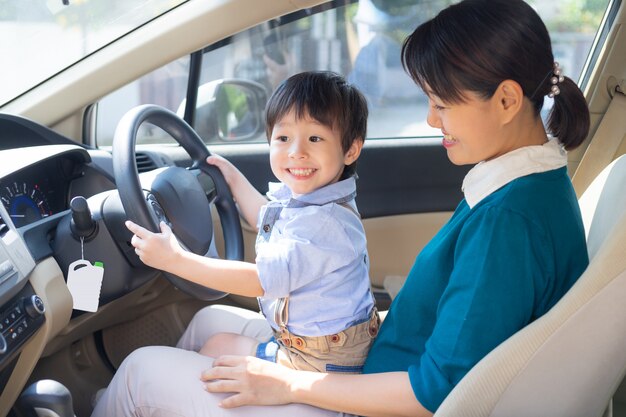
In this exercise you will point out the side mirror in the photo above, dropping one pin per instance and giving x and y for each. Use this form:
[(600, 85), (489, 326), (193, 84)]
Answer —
[(229, 110)]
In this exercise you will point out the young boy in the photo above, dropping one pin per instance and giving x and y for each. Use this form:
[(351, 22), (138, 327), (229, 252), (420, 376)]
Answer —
[(311, 269)]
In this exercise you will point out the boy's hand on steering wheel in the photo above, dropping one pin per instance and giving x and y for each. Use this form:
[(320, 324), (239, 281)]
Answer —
[(158, 250)]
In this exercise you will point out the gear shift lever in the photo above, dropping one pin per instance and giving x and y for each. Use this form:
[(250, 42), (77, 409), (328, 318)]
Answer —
[(46, 398), (82, 223)]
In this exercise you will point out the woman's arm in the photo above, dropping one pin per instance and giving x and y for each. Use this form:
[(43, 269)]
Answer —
[(247, 197), (257, 382), (384, 394), (162, 251)]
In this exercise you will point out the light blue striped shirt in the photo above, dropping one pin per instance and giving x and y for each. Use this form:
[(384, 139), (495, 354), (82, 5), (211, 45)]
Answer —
[(313, 249)]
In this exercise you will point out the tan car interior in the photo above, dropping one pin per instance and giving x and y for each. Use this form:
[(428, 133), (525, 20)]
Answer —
[(568, 363)]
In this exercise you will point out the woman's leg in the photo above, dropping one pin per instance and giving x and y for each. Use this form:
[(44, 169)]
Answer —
[(223, 319), (162, 381)]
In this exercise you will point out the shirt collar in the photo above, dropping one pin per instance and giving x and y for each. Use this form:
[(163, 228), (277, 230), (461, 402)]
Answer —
[(340, 191), (489, 176)]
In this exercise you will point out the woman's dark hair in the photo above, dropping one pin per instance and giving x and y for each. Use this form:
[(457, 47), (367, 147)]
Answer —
[(476, 44), (326, 97)]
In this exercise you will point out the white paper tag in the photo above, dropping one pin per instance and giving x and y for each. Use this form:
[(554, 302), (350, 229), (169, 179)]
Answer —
[(84, 281)]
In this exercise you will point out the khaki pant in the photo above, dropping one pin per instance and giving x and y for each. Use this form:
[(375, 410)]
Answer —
[(159, 381), (343, 352)]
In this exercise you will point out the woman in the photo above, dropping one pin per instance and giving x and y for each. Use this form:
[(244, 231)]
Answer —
[(513, 247)]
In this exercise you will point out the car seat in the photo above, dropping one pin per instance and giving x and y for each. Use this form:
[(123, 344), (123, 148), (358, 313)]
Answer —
[(570, 361)]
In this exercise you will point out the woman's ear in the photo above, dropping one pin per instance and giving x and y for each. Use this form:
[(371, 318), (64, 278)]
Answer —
[(510, 98), (354, 151)]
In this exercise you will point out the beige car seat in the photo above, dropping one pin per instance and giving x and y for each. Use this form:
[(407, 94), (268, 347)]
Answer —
[(570, 361)]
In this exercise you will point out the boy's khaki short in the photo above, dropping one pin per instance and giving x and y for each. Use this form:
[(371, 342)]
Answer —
[(343, 352)]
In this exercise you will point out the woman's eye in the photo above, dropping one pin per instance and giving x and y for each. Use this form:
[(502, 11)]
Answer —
[(315, 139)]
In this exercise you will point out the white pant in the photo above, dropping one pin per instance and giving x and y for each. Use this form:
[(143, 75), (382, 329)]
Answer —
[(163, 381)]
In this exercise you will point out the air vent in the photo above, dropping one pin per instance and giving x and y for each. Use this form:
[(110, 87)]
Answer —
[(145, 163)]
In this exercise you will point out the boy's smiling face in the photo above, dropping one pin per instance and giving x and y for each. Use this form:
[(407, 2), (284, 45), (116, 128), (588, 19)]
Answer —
[(306, 155)]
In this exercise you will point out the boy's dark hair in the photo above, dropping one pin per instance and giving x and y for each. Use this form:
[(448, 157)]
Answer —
[(326, 97), (476, 44)]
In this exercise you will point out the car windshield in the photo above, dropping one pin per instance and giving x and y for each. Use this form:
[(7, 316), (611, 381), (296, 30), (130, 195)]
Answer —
[(39, 38)]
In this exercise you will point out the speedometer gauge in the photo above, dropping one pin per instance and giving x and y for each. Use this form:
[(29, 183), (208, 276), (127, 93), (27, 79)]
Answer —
[(25, 203)]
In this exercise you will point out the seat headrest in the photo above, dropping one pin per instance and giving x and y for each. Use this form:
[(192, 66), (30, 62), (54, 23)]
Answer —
[(603, 203)]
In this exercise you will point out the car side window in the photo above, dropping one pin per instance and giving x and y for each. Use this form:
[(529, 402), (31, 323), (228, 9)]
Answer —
[(359, 39), (166, 86)]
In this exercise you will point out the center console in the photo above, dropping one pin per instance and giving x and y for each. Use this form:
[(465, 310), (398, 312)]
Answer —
[(21, 310)]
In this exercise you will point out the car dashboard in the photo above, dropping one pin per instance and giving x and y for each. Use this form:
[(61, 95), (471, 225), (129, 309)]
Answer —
[(36, 185), (40, 173)]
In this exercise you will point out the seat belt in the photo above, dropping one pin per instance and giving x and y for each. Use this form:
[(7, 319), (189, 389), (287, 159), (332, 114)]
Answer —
[(603, 148)]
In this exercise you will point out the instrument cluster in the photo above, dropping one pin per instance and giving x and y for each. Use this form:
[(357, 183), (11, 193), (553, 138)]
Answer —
[(36, 192)]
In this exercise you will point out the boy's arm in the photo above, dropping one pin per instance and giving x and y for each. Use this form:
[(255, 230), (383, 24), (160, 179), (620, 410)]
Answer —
[(162, 251), (247, 197)]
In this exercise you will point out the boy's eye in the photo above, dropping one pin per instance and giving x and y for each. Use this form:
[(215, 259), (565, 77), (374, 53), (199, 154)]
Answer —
[(315, 139), (282, 138)]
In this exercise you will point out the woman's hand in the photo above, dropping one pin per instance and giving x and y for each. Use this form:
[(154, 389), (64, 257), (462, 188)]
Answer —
[(252, 381), (157, 250)]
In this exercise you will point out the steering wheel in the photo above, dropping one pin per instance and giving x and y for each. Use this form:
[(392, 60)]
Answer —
[(178, 196)]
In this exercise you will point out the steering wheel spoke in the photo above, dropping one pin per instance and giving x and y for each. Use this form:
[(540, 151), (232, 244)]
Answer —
[(207, 184)]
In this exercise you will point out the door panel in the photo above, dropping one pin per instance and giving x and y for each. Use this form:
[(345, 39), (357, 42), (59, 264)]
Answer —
[(404, 176), (393, 242)]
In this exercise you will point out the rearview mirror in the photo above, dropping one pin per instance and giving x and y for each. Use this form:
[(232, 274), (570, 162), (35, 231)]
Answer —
[(229, 110)]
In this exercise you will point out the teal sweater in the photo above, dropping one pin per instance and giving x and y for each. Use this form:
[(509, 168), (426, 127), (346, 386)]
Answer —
[(490, 271)]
